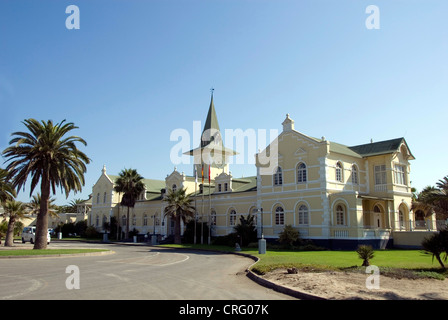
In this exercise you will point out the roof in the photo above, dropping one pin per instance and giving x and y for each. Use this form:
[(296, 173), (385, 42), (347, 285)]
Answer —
[(211, 126), (151, 184), (380, 147)]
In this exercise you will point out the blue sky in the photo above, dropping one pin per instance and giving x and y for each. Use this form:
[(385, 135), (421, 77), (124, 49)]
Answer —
[(137, 70)]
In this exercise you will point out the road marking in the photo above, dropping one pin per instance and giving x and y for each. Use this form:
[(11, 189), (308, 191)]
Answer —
[(35, 285), (168, 264)]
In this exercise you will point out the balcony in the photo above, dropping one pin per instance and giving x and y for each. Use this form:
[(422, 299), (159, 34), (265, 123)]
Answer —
[(380, 188)]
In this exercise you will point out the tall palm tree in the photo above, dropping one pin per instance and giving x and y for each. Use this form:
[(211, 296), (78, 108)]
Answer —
[(14, 210), (179, 208), (129, 182), (7, 190), (47, 155)]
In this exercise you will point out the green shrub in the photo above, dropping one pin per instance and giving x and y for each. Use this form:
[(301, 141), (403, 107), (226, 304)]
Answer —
[(288, 236), (365, 253), (91, 232)]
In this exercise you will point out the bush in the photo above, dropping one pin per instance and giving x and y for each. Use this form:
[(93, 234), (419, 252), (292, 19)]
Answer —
[(189, 232), (437, 244), (228, 240), (91, 232), (365, 253), (288, 236), (246, 230), (81, 227)]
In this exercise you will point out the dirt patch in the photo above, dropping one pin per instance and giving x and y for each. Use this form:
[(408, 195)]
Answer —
[(352, 285)]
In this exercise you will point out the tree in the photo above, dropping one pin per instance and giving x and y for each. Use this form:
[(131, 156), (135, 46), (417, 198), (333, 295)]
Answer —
[(14, 210), (73, 205), (47, 155), (365, 253), (179, 207), (34, 206), (7, 190), (436, 245), (246, 229), (131, 185), (289, 235), (434, 199)]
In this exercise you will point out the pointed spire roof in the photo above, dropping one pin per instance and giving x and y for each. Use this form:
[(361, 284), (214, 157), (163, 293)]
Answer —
[(211, 130), (211, 133)]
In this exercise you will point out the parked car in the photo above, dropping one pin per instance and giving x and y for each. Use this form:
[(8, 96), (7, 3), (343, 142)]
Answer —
[(29, 234)]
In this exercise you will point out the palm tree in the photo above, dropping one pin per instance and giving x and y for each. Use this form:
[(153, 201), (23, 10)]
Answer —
[(179, 207), (48, 156), (131, 185), (34, 206), (7, 190), (365, 253), (246, 229), (73, 205), (14, 210), (434, 199), (436, 245)]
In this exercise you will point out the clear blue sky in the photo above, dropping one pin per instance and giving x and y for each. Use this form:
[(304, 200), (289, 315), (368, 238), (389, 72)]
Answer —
[(137, 70)]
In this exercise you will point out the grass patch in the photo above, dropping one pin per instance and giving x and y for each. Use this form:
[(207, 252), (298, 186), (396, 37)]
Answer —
[(32, 252), (409, 264)]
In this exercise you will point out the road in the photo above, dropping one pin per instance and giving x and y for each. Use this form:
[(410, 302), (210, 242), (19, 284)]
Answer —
[(131, 272)]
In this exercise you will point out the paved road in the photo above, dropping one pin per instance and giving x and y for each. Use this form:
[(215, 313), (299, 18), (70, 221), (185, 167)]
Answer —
[(133, 272)]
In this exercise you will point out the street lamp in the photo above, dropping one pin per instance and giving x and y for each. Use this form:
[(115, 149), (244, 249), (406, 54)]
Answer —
[(262, 241)]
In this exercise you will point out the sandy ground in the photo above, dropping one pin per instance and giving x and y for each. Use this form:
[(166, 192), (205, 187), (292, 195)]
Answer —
[(349, 285)]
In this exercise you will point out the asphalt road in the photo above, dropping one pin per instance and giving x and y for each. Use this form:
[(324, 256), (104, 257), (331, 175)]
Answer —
[(131, 272)]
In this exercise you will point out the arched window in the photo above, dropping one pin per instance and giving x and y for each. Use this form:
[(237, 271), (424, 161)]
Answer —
[(278, 177), (123, 220), (232, 217), (419, 219), (145, 219), (401, 219), (301, 173), (134, 220), (279, 216), (355, 174), (340, 215), (97, 221), (98, 198), (339, 176), (174, 188), (104, 197), (303, 214)]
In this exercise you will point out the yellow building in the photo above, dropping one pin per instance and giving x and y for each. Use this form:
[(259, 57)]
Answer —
[(338, 196)]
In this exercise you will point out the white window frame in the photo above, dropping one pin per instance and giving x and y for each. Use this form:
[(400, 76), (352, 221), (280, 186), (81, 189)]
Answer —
[(302, 176), (303, 214)]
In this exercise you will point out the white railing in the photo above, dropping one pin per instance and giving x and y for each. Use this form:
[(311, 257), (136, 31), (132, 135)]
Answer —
[(420, 225), (340, 233), (380, 187)]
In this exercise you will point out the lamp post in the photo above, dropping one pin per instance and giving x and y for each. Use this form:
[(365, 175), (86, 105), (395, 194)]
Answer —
[(153, 237), (262, 241)]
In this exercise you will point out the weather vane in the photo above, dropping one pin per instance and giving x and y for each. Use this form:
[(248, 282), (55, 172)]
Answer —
[(212, 89)]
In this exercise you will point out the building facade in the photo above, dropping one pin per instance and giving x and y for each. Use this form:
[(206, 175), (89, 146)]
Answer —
[(338, 196)]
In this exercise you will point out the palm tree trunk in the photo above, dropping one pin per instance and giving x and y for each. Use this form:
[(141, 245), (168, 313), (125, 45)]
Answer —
[(177, 238), (9, 240), (437, 257), (127, 224), (42, 216)]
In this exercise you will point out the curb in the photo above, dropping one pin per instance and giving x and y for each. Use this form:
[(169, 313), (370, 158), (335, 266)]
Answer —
[(85, 254)]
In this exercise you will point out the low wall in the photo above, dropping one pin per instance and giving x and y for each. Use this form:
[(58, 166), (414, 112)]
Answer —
[(410, 239)]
